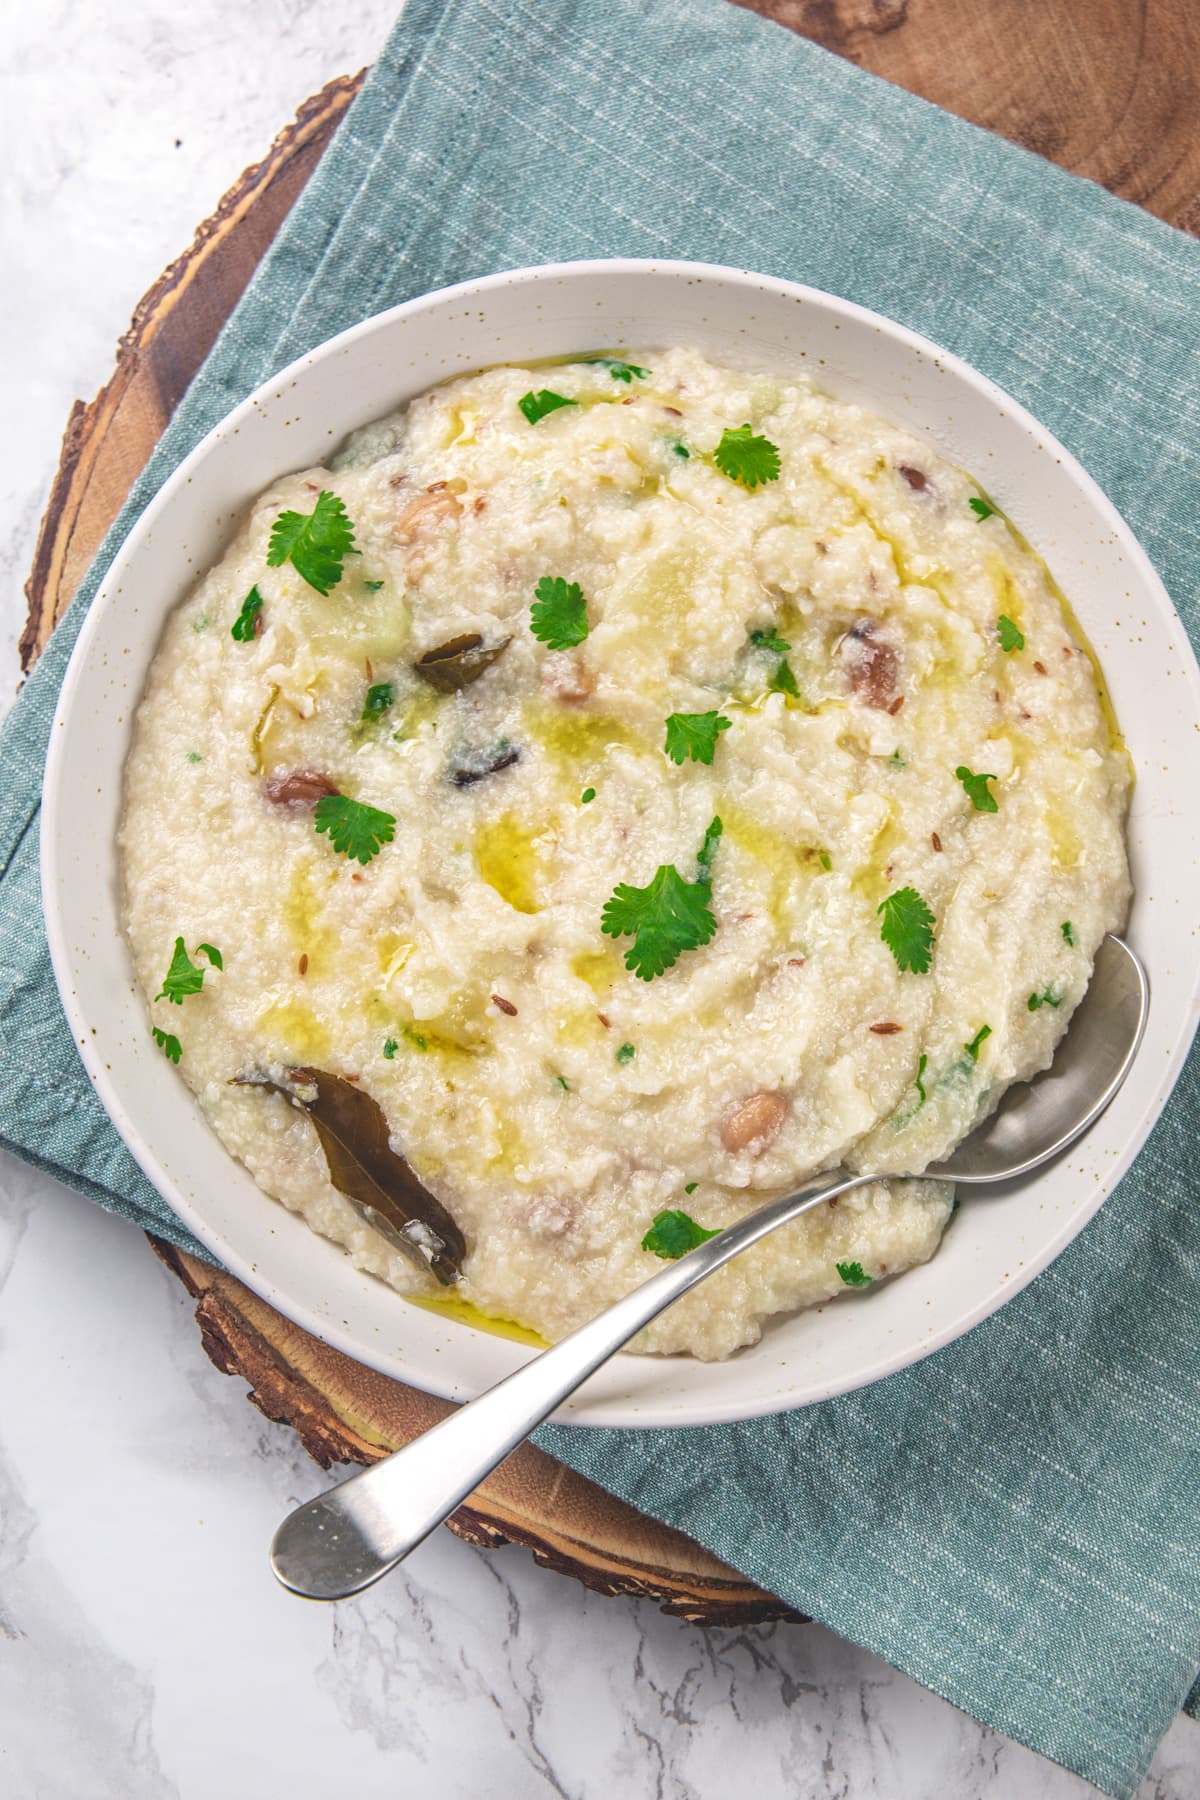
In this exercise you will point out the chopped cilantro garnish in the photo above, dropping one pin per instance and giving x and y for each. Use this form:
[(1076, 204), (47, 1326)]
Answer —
[(825, 860), (185, 977), (972, 1049), (708, 850), (980, 795), (563, 1083), (1010, 635), (617, 368), (920, 1083), (170, 1046), (378, 699), (1068, 932), (587, 796), (390, 1048), (980, 508), (745, 458), (372, 587), (783, 681), (673, 1234), (626, 1054), (690, 1187), (907, 929), (536, 406), (558, 617), (770, 640), (682, 450), (355, 829), (853, 1274), (316, 543), (1047, 997), (245, 626), (897, 761), (694, 735), (194, 756), (665, 918)]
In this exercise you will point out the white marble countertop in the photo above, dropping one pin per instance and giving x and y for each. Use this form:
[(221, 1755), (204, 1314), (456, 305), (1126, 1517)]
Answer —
[(147, 1652)]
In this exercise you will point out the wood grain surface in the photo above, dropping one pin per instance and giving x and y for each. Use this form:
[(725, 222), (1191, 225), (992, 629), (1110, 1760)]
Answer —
[(1109, 89)]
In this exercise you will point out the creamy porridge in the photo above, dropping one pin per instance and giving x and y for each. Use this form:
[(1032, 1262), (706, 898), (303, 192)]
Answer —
[(621, 788)]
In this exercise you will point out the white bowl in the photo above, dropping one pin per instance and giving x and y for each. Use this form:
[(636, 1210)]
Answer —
[(997, 1244)]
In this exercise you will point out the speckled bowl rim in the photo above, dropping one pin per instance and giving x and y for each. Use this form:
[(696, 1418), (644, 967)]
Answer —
[(632, 1391)]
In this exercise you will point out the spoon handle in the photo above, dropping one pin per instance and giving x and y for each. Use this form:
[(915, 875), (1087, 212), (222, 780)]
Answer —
[(339, 1544)]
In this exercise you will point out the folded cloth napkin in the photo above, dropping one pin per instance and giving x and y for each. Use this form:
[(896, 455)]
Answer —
[(1016, 1521)]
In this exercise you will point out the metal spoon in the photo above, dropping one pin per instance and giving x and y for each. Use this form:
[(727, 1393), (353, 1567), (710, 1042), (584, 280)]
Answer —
[(339, 1544)]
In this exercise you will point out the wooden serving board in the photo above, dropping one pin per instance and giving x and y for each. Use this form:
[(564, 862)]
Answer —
[(1090, 87)]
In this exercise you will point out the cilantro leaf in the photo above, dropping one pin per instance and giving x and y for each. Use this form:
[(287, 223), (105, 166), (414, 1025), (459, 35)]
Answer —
[(372, 587), (378, 699), (770, 640), (673, 1234), (1047, 997), (626, 1054), (920, 1082), (981, 509), (694, 735), (667, 917), (184, 977), (536, 406), (690, 1187), (1010, 635), (783, 681), (170, 1046), (1068, 932), (682, 450), (853, 1274), (617, 368), (390, 1047), (708, 850), (558, 617), (907, 929), (972, 1049), (245, 626), (316, 543), (745, 458), (587, 796), (981, 796), (355, 829), (213, 954), (563, 1083)]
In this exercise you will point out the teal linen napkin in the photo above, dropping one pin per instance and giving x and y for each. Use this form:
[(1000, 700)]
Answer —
[(1016, 1522)]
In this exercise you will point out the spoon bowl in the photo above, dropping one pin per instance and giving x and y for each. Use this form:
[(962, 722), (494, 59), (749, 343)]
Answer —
[(337, 1545)]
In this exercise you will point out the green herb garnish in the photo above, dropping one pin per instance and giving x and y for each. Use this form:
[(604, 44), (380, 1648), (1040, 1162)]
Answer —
[(617, 368), (673, 1234), (170, 1046), (587, 796), (980, 508), (694, 735), (1010, 635), (390, 1048), (194, 756), (783, 681), (690, 1187), (355, 829), (1047, 997), (826, 861), (682, 450), (972, 1049), (185, 977), (745, 458), (665, 918), (907, 929), (372, 587), (626, 1054), (536, 406), (853, 1274), (378, 699), (413, 1037), (245, 626), (558, 617), (316, 543), (1068, 932), (563, 1083), (978, 792), (770, 640), (920, 1084)]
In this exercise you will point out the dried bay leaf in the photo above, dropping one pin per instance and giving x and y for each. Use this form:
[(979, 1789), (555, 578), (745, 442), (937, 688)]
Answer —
[(458, 662), (353, 1133)]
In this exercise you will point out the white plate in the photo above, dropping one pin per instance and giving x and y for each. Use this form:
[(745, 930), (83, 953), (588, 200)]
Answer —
[(997, 1244)]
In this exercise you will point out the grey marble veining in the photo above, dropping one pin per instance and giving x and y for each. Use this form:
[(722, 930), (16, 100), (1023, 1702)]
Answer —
[(145, 1652)]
